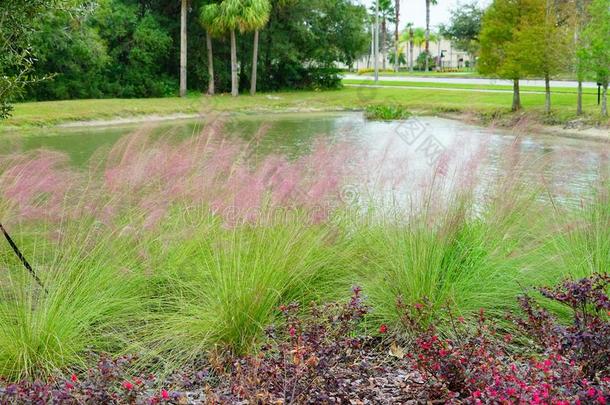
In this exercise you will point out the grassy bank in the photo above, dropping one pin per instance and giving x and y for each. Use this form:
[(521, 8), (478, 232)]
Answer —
[(466, 86), (485, 105)]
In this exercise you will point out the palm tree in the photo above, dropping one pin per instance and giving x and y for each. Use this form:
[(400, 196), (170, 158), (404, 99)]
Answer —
[(398, 61), (183, 44), (256, 16), (242, 16), (408, 36), (428, 4), (229, 19), (416, 35), (209, 20), (386, 13), (396, 35)]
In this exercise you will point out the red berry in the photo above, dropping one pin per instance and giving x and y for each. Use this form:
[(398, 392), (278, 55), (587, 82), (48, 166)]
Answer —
[(164, 394)]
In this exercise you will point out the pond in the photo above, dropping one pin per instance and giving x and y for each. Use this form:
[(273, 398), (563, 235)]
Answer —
[(418, 146)]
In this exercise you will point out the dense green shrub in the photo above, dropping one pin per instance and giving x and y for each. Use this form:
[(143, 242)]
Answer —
[(111, 51), (386, 112), (123, 48)]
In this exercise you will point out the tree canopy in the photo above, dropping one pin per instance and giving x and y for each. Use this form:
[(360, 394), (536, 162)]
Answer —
[(18, 22), (130, 48), (464, 27)]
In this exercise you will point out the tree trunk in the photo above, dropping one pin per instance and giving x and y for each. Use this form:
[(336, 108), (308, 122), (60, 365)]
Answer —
[(547, 92), (516, 96), (427, 33), (579, 98), (579, 71), (438, 61), (397, 36), (372, 53), (183, 48), (254, 64), (211, 87), (411, 49), (383, 42), (605, 100), (234, 79)]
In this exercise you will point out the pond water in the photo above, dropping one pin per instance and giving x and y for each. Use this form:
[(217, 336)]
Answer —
[(418, 146)]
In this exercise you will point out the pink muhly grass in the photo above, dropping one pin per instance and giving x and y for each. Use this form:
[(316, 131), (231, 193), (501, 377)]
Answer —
[(36, 184), (143, 176)]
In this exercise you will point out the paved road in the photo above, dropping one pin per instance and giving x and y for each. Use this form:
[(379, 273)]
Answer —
[(378, 86), (464, 80)]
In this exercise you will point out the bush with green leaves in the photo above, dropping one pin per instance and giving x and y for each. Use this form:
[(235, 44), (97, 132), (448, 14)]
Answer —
[(386, 112)]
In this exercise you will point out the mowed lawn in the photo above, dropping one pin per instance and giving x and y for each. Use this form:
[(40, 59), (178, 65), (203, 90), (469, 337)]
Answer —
[(467, 86), (424, 100)]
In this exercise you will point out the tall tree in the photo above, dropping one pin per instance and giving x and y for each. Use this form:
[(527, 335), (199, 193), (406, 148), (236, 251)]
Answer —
[(183, 46), (429, 3), (417, 35), (501, 54), (209, 19), (579, 24), (256, 16), (411, 38), (230, 19), (464, 28), (542, 40), (18, 19), (396, 35), (242, 16), (386, 15), (596, 47)]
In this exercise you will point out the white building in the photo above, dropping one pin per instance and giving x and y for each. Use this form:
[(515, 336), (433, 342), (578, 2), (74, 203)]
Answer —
[(452, 58)]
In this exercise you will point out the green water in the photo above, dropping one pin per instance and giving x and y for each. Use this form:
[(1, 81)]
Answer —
[(567, 165), (286, 133)]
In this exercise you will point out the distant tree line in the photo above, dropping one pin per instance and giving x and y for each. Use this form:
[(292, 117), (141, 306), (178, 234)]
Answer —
[(131, 48), (66, 49)]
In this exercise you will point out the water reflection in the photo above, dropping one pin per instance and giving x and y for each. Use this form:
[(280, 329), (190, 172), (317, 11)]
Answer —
[(407, 153)]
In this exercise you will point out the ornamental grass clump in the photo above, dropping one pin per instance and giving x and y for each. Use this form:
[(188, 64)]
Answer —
[(580, 245), (222, 287), (92, 294), (461, 252), (168, 248), (179, 250)]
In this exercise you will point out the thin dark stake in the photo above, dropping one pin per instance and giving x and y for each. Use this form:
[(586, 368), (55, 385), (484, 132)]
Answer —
[(22, 258)]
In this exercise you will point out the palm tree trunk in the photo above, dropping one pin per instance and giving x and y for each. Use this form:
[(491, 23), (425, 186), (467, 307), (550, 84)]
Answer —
[(547, 92), (183, 49), (427, 32), (254, 64), (234, 79), (605, 99), (438, 59), (579, 18), (383, 42), (396, 35), (411, 49), (516, 96), (211, 87)]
